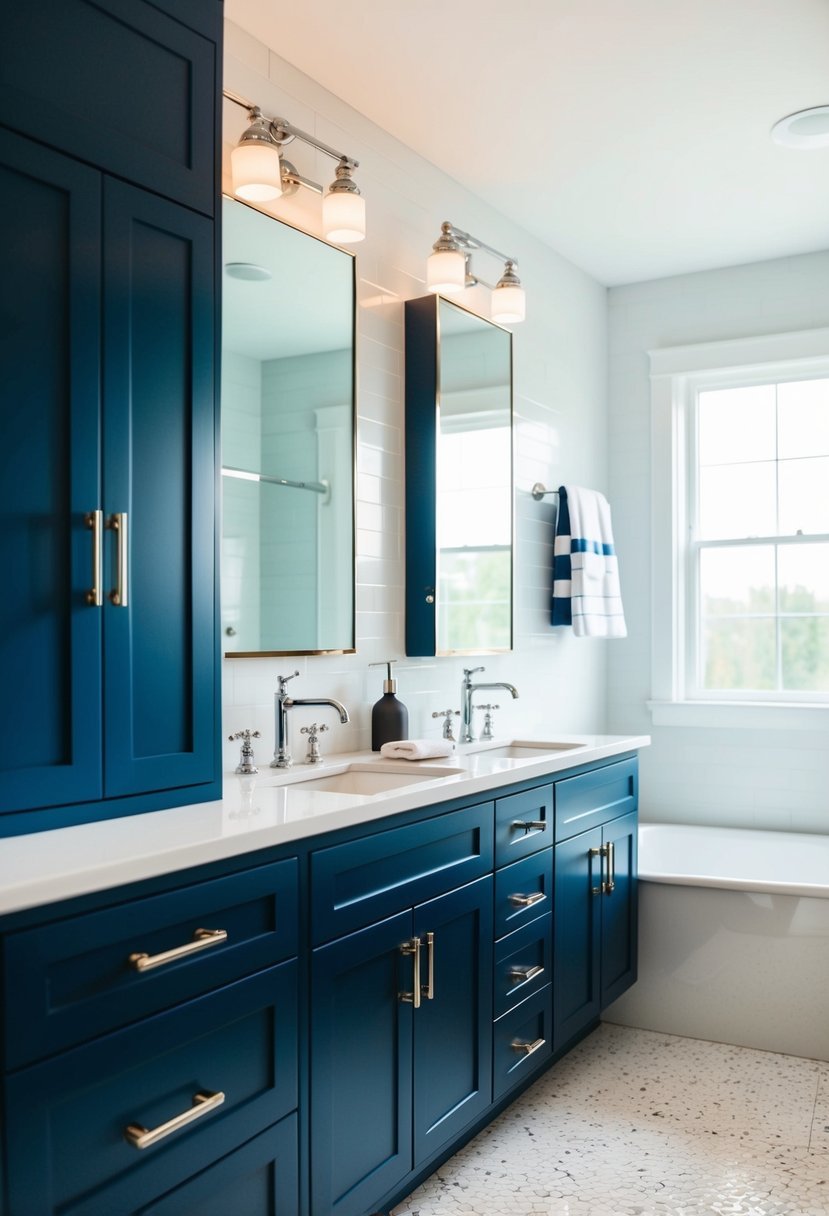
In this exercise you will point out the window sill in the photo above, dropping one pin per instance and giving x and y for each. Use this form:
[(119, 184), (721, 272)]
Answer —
[(745, 714)]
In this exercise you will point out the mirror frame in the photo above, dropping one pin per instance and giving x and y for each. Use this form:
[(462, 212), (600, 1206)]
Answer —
[(352, 649), (422, 429)]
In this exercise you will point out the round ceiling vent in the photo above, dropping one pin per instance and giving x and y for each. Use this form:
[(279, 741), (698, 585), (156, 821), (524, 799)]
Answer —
[(804, 129)]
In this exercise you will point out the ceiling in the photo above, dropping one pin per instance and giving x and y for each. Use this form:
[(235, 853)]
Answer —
[(629, 135)]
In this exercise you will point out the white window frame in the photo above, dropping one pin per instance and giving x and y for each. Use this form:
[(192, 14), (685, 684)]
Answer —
[(677, 375)]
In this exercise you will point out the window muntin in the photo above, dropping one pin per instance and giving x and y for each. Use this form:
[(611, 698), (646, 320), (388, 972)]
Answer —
[(757, 569)]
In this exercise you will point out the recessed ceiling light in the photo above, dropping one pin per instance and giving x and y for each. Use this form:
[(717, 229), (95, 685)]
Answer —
[(248, 271), (805, 129)]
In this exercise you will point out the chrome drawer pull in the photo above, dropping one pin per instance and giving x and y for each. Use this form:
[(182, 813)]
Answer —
[(202, 940), (429, 986), (528, 825), (203, 1104), (523, 975), (413, 948), (527, 901), (528, 1048), (610, 885), (602, 852)]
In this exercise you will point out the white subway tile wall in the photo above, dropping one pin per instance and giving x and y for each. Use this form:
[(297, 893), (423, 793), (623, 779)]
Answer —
[(560, 430), (740, 778)]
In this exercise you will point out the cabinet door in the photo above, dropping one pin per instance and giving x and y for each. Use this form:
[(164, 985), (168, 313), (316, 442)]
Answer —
[(159, 418), (577, 935), (619, 911), (50, 636), (453, 1026), (361, 1067)]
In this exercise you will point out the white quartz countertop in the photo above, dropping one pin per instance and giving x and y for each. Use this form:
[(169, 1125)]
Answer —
[(260, 812)]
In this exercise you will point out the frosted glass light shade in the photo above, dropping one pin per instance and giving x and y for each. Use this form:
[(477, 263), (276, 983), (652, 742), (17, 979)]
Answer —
[(344, 217), (446, 271), (256, 172), (509, 305)]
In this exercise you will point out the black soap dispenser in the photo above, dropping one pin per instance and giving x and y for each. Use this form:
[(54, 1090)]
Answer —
[(389, 717)]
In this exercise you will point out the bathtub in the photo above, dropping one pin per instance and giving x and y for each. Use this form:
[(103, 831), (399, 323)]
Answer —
[(733, 938)]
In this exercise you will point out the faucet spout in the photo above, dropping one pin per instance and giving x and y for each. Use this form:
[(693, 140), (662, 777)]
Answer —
[(467, 691), (282, 703)]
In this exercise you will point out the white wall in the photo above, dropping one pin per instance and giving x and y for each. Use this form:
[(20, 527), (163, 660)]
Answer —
[(560, 427), (757, 777)]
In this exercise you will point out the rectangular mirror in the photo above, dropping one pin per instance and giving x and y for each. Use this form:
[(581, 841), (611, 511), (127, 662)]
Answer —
[(288, 320), (459, 525)]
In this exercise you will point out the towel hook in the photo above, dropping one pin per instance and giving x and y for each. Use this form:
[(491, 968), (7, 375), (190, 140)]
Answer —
[(539, 491)]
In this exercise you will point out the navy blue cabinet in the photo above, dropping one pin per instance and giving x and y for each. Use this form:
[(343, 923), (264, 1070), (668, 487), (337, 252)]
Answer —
[(595, 907), (107, 410), (401, 1045)]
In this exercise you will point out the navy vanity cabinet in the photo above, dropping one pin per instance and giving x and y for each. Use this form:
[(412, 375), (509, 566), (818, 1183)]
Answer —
[(401, 1031), (595, 895)]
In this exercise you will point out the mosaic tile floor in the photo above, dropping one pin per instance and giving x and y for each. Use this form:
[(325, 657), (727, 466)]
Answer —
[(633, 1123)]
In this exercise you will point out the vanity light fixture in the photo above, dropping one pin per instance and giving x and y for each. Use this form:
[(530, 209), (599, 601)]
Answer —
[(261, 173), (449, 271)]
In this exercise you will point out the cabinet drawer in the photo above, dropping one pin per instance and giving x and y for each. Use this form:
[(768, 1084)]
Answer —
[(63, 71), (523, 824), (593, 798), (366, 880), (523, 1041), (67, 1147), (523, 892), (523, 963), (259, 1179), (78, 978)]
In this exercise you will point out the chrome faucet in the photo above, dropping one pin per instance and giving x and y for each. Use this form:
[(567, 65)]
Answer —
[(282, 703), (467, 708)]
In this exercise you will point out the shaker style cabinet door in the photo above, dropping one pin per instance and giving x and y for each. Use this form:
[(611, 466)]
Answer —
[(577, 935), (50, 634), (158, 493), (619, 910)]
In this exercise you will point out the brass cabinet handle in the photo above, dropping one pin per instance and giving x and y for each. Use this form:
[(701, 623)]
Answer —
[(94, 521), (203, 1104), (527, 1048), (413, 948), (610, 884), (120, 594), (528, 825), (429, 986), (202, 940), (527, 901), (523, 975)]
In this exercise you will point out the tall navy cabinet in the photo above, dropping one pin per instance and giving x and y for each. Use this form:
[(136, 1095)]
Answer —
[(108, 253)]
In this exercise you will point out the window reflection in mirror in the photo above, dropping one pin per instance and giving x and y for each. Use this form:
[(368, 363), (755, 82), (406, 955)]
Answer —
[(287, 439), (462, 363)]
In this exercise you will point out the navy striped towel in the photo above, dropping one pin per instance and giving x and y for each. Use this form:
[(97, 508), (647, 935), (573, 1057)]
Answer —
[(586, 591)]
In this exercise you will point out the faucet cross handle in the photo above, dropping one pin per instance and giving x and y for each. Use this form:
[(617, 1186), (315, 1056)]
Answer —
[(245, 767), (447, 715), (486, 733), (312, 756), (283, 680)]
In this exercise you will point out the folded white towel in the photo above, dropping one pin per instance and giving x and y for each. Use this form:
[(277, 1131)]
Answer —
[(417, 749)]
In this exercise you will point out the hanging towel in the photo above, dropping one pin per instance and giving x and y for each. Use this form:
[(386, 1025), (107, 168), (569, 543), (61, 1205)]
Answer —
[(586, 592)]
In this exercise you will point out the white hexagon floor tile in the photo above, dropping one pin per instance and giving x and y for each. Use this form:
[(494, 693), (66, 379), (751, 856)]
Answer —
[(633, 1123)]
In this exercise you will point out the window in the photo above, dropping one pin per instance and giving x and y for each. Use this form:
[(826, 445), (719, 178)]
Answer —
[(741, 528)]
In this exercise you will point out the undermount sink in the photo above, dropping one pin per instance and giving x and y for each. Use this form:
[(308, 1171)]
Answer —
[(368, 779), (521, 749)]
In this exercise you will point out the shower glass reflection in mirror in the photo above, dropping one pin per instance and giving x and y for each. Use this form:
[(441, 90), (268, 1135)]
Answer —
[(287, 439)]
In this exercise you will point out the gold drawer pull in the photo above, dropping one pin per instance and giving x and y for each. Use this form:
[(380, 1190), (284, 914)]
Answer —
[(94, 520), (529, 825), (528, 1048), (527, 901), (202, 940), (203, 1104), (119, 596), (523, 975)]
